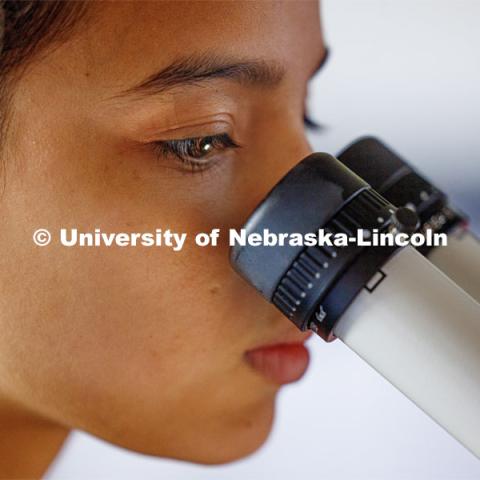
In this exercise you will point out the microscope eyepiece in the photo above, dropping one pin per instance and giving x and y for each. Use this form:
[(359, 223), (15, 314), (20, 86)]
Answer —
[(313, 285)]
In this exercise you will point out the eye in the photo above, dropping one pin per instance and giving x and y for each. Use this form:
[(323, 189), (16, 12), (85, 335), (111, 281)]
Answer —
[(308, 120), (196, 153), (310, 123)]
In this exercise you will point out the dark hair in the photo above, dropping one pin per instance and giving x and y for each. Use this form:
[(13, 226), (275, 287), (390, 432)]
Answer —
[(28, 27)]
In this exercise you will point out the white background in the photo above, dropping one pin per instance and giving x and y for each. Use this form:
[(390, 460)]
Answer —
[(407, 71)]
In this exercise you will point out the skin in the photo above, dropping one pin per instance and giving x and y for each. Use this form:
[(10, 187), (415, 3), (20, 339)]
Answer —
[(144, 347)]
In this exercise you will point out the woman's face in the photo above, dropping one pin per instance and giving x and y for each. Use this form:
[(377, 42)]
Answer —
[(145, 347)]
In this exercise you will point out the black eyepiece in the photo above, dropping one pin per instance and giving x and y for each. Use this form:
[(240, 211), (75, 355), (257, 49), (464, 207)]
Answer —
[(313, 285)]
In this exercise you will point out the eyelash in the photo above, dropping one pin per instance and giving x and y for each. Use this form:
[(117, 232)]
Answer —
[(193, 152), (310, 124)]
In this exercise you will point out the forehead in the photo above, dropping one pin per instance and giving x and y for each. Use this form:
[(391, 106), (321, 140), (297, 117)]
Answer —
[(122, 37)]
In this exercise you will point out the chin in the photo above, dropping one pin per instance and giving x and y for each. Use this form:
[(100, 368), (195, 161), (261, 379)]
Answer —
[(239, 442), (209, 441)]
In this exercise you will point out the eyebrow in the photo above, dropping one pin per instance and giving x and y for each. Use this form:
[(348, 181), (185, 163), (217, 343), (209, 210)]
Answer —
[(195, 70)]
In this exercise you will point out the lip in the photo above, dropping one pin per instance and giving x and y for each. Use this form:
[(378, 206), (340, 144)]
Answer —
[(282, 362)]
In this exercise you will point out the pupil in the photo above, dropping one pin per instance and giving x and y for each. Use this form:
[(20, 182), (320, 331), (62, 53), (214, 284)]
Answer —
[(206, 145)]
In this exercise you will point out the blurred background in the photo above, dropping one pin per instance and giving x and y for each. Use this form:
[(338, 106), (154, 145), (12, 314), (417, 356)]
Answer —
[(407, 71)]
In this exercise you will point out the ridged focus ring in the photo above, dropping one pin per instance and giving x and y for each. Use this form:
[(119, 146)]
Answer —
[(316, 269)]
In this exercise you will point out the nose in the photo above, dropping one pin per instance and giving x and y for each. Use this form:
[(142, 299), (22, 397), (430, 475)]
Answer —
[(292, 147), (287, 147)]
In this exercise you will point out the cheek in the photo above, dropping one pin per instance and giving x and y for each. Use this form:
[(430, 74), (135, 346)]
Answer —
[(108, 324), (102, 302)]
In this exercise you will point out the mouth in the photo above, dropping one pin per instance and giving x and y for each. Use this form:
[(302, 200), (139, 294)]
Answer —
[(281, 363)]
